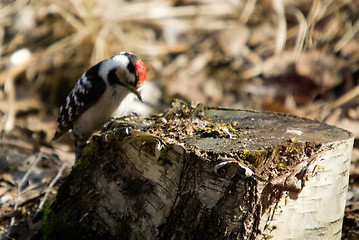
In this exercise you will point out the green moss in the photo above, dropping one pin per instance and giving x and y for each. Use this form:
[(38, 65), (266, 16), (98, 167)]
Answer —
[(244, 155), (56, 225), (294, 150), (281, 166), (90, 149), (256, 157), (77, 169), (216, 130)]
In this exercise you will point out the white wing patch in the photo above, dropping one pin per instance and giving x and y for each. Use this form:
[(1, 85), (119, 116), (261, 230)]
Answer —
[(79, 87), (87, 84)]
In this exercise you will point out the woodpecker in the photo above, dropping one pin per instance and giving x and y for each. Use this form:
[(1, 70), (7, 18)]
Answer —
[(97, 95)]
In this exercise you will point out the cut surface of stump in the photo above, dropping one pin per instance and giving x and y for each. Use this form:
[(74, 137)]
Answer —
[(206, 173)]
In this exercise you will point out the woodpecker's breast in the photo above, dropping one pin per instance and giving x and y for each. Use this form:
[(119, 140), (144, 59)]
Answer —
[(98, 114)]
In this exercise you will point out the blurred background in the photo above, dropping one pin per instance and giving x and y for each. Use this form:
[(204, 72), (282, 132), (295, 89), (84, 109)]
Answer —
[(297, 57)]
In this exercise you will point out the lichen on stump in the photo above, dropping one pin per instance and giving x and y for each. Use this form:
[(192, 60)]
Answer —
[(207, 173)]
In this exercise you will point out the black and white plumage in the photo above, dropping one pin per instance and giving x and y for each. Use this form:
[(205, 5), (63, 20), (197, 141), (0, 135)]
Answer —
[(97, 95)]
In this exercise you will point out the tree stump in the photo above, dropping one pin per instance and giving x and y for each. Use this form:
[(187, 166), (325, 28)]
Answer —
[(206, 173)]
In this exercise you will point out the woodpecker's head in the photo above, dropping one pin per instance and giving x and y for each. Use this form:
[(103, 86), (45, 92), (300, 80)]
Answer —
[(125, 69)]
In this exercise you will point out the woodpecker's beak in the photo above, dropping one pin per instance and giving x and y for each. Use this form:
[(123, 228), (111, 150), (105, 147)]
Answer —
[(136, 91), (139, 96)]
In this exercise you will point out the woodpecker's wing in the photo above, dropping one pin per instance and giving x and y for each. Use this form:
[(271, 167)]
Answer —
[(86, 92)]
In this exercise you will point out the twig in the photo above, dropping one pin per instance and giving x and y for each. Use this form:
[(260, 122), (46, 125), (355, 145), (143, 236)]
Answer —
[(282, 26), (345, 98), (302, 31), (9, 87), (51, 185), (348, 36), (17, 143), (247, 11), (19, 188)]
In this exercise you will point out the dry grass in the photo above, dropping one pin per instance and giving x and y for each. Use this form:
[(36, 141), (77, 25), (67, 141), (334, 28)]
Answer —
[(67, 37)]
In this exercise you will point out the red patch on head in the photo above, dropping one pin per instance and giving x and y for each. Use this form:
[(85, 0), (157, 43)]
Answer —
[(140, 72)]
